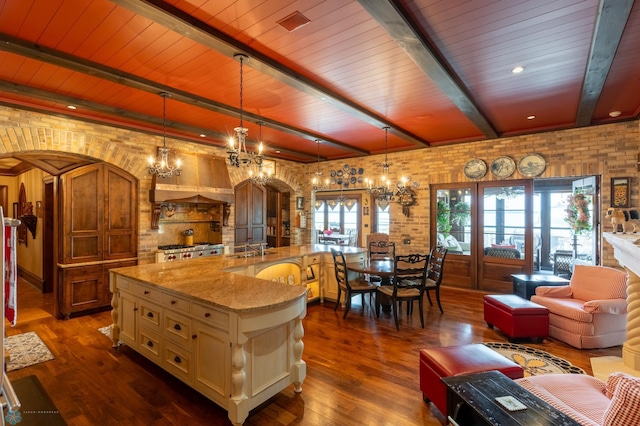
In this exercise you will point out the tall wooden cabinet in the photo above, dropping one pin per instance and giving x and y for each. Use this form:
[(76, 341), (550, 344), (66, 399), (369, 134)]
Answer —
[(278, 218), (98, 231)]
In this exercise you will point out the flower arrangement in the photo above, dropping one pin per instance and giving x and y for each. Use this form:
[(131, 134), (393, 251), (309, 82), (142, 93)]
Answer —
[(577, 211)]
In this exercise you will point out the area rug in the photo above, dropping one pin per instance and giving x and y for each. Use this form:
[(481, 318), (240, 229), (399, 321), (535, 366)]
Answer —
[(534, 361), (106, 330), (36, 407), (26, 349)]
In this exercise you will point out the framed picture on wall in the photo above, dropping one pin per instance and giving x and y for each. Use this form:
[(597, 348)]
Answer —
[(620, 192), (300, 203)]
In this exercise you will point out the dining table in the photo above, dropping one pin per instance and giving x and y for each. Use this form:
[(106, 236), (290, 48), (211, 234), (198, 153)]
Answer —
[(383, 268), (335, 238)]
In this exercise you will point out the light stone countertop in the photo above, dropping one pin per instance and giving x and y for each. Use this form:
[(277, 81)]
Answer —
[(208, 279)]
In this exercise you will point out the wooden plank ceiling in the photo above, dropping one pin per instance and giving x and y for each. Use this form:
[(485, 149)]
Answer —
[(436, 72)]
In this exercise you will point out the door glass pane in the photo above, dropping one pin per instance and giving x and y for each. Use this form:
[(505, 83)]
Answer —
[(453, 219), (504, 222), (382, 219)]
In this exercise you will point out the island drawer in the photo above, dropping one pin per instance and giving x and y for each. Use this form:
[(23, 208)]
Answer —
[(149, 292), (149, 314), (313, 259), (177, 361), (210, 315), (150, 344), (175, 302), (177, 327)]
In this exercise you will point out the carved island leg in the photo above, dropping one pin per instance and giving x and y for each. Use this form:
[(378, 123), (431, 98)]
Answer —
[(238, 411), (115, 330), (631, 348), (300, 367)]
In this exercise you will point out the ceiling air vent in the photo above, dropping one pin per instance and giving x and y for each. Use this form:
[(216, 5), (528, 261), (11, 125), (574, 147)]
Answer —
[(293, 21)]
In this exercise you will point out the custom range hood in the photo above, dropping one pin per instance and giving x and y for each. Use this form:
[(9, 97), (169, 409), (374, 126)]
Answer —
[(203, 180)]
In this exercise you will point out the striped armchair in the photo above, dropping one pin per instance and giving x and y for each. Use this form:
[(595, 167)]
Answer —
[(590, 312)]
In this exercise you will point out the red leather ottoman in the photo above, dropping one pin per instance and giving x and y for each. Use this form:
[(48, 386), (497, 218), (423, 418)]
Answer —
[(516, 317), (436, 363)]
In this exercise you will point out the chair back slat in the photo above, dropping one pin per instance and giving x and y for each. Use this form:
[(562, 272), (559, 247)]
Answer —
[(341, 272), (436, 264), (382, 250)]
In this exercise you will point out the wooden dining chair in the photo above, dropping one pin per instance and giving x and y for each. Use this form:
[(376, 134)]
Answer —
[(381, 250), (409, 284), (350, 287), (435, 272)]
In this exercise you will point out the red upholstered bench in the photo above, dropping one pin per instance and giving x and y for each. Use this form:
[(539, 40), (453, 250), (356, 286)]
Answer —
[(516, 317), (436, 363)]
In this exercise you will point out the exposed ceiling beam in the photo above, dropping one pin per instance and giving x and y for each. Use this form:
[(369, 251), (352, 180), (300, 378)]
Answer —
[(119, 112), (182, 23), (394, 19), (612, 17), (61, 59)]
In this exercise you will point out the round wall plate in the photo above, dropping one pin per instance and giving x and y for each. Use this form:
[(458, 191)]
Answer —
[(531, 165), (503, 167), (475, 169)]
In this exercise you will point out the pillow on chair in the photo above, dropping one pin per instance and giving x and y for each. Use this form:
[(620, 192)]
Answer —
[(625, 404), (587, 283)]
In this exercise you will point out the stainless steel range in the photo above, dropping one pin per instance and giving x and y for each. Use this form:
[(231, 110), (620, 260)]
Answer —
[(173, 252)]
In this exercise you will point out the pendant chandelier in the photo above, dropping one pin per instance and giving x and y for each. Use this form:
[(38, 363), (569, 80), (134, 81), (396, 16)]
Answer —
[(238, 153), (403, 191), (381, 191), (160, 165), (257, 174), (317, 183)]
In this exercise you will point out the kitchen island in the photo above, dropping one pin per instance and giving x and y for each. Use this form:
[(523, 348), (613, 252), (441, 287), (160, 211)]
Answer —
[(235, 338)]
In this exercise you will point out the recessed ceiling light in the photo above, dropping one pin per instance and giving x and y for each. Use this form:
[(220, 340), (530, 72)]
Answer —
[(517, 70), (202, 135), (71, 107), (531, 117), (615, 113), (277, 151)]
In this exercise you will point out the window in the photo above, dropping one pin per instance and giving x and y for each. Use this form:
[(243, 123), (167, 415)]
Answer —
[(382, 219), (340, 216)]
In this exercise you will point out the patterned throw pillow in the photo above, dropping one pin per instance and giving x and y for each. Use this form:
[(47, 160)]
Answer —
[(624, 409)]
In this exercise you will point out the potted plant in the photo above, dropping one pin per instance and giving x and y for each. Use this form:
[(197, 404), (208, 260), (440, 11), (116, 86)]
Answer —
[(461, 214), (443, 218)]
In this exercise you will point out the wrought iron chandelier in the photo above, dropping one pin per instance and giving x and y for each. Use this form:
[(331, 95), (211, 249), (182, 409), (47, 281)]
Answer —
[(381, 191), (257, 173), (317, 183), (160, 165), (403, 191), (238, 153)]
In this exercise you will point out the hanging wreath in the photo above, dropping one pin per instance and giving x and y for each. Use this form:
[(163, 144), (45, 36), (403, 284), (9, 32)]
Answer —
[(578, 216)]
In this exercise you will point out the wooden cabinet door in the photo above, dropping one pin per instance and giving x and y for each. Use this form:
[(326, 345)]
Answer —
[(83, 289), (127, 308), (82, 197), (120, 214), (212, 360), (250, 214)]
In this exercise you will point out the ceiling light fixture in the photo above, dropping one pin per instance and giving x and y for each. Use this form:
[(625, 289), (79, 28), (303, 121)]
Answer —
[(517, 70), (256, 173), (531, 117), (317, 179), (238, 153), (403, 192), (615, 114), (381, 192), (160, 165), (71, 107)]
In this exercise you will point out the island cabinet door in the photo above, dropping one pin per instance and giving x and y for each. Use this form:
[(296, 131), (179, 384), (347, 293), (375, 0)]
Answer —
[(212, 362), (127, 315)]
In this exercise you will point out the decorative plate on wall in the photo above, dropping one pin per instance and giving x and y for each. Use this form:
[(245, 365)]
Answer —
[(475, 169), (503, 167), (531, 165)]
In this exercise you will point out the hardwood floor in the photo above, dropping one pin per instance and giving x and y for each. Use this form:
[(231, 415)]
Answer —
[(360, 370)]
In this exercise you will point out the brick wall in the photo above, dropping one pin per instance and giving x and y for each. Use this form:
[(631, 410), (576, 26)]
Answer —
[(607, 150)]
